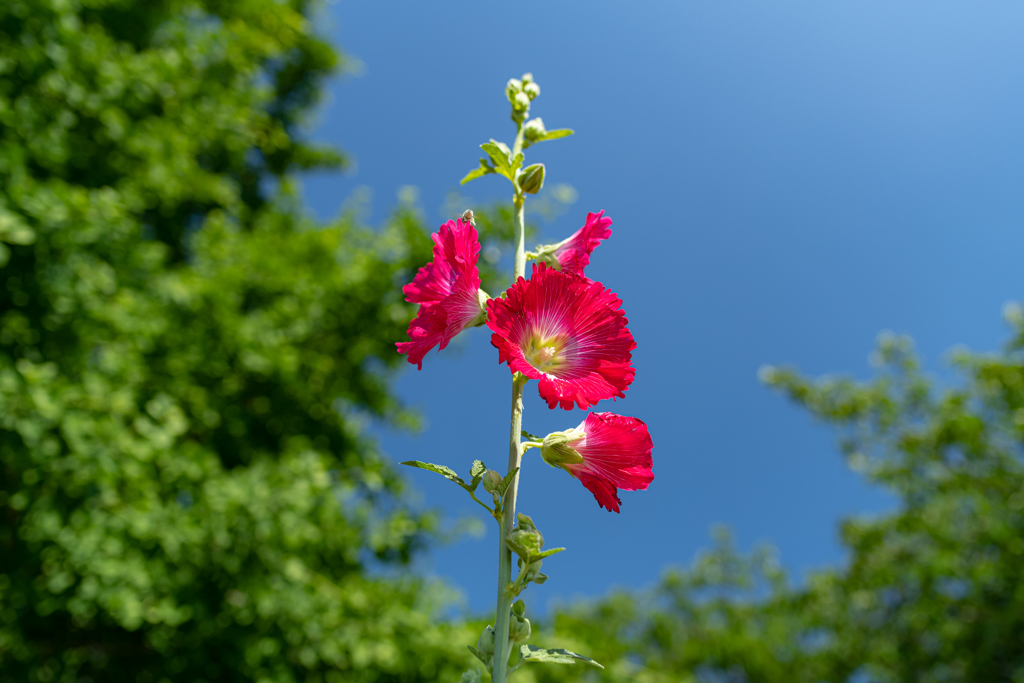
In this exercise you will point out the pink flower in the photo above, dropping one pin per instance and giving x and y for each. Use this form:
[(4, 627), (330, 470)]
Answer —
[(574, 253), (567, 332), (606, 452), (448, 291)]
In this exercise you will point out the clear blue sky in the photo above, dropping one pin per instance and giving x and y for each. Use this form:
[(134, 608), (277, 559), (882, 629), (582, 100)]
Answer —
[(787, 179)]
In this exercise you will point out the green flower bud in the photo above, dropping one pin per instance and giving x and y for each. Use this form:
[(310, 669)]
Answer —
[(532, 179), (490, 481), (519, 629), (532, 90), (513, 88), (527, 78), (525, 540), (556, 450), (519, 608), (533, 572), (485, 643), (521, 102), (534, 129)]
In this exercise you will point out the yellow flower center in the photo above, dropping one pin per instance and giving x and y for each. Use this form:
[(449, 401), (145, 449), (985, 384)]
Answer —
[(543, 354)]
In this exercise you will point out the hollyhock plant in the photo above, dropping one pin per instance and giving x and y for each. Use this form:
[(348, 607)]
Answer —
[(606, 452), (448, 291), (568, 333), (572, 255), (558, 327)]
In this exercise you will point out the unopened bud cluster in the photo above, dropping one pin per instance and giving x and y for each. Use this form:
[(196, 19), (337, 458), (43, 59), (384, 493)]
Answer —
[(520, 92)]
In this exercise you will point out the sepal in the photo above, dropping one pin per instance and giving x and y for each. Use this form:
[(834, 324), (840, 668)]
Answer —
[(556, 450)]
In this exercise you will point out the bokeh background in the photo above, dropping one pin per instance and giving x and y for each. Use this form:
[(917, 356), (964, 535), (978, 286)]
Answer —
[(208, 209), (787, 181)]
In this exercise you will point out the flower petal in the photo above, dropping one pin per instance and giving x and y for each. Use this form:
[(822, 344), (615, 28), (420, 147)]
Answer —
[(574, 254), (566, 331), (447, 290), (616, 452)]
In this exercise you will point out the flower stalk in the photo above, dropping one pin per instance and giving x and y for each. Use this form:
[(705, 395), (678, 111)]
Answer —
[(558, 327)]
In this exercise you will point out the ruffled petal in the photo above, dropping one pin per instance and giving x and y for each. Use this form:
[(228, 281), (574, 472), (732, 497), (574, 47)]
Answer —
[(426, 331), (616, 452), (574, 254), (566, 331), (604, 491), (456, 250), (447, 291)]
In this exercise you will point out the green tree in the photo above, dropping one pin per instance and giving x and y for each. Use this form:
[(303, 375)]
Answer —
[(187, 360), (932, 592)]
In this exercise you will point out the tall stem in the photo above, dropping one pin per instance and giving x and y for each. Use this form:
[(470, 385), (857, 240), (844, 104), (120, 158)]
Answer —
[(515, 454)]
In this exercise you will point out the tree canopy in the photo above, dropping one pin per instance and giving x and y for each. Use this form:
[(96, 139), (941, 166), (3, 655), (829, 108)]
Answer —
[(187, 360), (931, 591)]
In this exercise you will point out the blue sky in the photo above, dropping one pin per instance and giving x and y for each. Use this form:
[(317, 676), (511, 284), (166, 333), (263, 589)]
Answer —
[(787, 179)]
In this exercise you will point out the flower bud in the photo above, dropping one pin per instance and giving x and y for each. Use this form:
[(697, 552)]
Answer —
[(534, 129), (520, 102), (519, 608), (533, 572), (532, 179), (519, 630), (532, 90), (513, 88), (556, 450), (525, 540), (485, 644), (527, 78), (491, 481)]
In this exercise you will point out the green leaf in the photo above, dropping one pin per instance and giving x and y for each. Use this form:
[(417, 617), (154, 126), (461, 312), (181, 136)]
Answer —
[(485, 169), (532, 653), (446, 472), (503, 147), (506, 482), (500, 157), (532, 437), (477, 472), (555, 134), (14, 230)]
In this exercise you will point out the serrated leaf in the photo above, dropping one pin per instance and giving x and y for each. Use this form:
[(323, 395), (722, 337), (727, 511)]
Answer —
[(485, 169), (506, 482), (477, 472), (532, 653), (499, 157), (446, 472)]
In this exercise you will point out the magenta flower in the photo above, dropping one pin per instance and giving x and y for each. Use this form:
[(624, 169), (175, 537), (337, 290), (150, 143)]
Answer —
[(606, 452), (567, 332), (573, 254), (448, 291)]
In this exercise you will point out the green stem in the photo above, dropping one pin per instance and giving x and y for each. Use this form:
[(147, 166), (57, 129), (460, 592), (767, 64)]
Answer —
[(515, 454), (501, 621)]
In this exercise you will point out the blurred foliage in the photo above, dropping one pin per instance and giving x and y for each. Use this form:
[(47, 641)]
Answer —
[(187, 362), (932, 592)]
